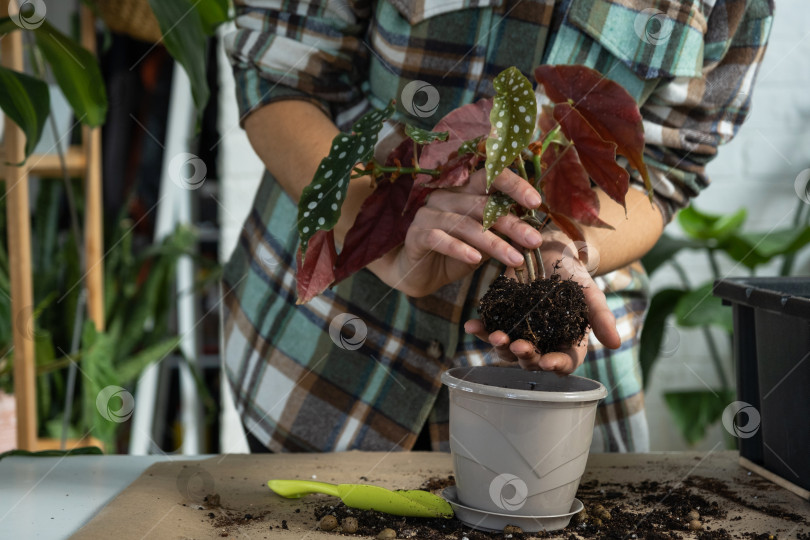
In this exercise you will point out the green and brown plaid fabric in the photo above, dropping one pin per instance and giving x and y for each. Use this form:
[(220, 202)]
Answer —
[(689, 65)]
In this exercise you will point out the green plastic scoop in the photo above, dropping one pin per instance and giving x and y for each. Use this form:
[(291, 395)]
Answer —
[(416, 503)]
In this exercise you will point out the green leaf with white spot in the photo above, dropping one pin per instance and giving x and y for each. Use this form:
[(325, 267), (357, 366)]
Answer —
[(498, 205), (423, 136), (469, 147), (321, 201), (513, 114)]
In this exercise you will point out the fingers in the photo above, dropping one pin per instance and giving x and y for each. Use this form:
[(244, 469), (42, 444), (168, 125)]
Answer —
[(458, 236), (601, 318), (523, 352), (471, 205), (510, 183)]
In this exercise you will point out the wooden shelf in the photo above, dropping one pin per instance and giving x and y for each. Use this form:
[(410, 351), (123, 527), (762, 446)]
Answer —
[(48, 165)]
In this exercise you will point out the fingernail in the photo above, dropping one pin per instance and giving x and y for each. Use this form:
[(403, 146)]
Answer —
[(515, 257), (475, 257), (533, 237), (534, 199)]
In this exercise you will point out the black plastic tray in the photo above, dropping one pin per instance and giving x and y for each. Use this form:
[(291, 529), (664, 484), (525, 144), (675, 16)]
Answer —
[(772, 354)]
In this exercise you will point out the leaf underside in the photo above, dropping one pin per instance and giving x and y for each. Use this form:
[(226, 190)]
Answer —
[(317, 272), (469, 122), (382, 222), (566, 186), (597, 155), (606, 106)]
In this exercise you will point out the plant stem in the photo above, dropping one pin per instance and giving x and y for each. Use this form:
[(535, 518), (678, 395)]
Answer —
[(521, 277), (522, 168), (787, 262), (527, 256), (712, 253), (538, 167), (541, 269), (707, 335)]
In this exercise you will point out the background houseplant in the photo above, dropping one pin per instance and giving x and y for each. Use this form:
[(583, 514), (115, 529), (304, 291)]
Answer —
[(721, 239), (138, 281)]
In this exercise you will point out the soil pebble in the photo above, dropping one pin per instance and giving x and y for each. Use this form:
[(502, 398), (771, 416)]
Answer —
[(328, 523), (349, 525), (387, 534)]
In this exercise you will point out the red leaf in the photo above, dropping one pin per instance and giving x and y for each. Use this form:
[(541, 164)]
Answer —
[(455, 173), (463, 124), (317, 273), (597, 155), (384, 218), (607, 106), (566, 187), (379, 227)]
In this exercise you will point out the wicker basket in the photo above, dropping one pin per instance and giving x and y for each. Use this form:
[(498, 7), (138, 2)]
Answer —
[(131, 17)]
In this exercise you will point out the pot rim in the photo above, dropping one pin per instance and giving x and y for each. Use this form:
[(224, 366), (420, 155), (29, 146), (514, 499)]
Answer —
[(452, 378)]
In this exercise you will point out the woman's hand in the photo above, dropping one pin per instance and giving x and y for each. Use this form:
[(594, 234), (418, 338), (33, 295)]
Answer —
[(446, 239), (557, 248)]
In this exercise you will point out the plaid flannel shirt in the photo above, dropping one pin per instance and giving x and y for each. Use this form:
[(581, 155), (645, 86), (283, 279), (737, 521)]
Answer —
[(690, 65)]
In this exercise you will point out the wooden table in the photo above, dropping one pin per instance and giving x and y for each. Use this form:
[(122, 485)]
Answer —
[(166, 500)]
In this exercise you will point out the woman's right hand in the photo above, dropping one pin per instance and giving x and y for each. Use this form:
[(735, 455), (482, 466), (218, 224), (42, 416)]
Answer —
[(446, 239)]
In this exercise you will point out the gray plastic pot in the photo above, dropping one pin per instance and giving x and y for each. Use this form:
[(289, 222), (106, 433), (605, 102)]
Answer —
[(519, 439)]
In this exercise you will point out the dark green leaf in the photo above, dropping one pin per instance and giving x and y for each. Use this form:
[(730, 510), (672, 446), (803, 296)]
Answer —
[(184, 37), (132, 367), (27, 102), (703, 226), (77, 73), (513, 114), (665, 250), (321, 201), (662, 305), (469, 147), (212, 13), (756, 248), (498, 205), (694, 411), (700, 308), (7, 25), (423, 136)]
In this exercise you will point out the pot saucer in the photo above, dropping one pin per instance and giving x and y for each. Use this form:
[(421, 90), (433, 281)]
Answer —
[(493, 522)]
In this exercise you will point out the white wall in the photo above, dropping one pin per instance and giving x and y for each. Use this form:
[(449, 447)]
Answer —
[(756, 171)]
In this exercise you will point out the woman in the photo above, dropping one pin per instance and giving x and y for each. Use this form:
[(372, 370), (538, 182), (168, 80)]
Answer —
[(304, 70)]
